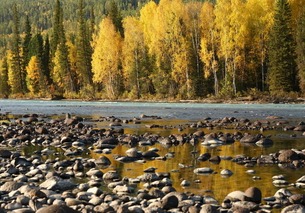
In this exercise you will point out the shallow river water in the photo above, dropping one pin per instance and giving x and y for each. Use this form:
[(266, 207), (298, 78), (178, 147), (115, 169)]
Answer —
[(176, 115)]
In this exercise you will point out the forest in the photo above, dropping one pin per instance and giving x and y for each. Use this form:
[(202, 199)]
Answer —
[(152, 50)]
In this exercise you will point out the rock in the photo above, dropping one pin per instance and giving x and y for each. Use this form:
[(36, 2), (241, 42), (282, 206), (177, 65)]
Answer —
[(10, 186), (123, 189), (237, 196), (95, 190), (264, 142), (21, 210), (211, 139), (104, 207), (185, 183), (287, 156), (19, 161), (56, 183), (149, 177), (299, 128), (254, 194), (169, 201), (150, 170), (282, 193), (23, 200), (57, 209), (41, 130), (297, 199), (13, 206), (136, 209), (95, 173), (109, 141), (208, 208), (204, 157), (226, 173), (150, 154), (111, 175), (96, 200), (203, 170), (294, 208), (245, 205), (5, 153), (72, 201), (103, 161), (250, 138)]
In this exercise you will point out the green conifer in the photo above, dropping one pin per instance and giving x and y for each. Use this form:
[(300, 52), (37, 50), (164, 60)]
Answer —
[(26, 41), (17, 72), (83, 49), (282, 67), (300, 50)]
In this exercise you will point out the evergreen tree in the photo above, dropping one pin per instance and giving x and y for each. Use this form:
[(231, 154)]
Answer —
[(114, 14), (26, 41), (282, 74), (92, 23), (17, 73), (36, 47), (46, 59), (62, 76), (4, 87), (58, 28), (83, 49), (300, 39)]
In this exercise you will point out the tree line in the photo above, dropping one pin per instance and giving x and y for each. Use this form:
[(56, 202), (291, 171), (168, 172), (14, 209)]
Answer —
[(168, 49)]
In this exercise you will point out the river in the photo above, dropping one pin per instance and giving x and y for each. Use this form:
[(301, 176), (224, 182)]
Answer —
[(177, 114)]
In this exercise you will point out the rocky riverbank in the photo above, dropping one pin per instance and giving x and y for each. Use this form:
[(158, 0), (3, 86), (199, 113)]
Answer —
[(33, 184)]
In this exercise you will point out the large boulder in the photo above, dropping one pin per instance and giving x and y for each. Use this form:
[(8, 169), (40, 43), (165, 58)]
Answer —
[(169, 201), (254, 194), (287, 156), (56, 183), (10, 186)]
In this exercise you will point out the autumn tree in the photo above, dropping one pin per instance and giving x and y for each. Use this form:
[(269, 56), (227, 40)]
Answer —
[(34, 76), (209, 44), (83, 50), (106, 64), (260, 16), (147, 15), (169, 45), (135, 58), (231, 24), (282, 74), (4, 87), (194, 31), (16, 71)]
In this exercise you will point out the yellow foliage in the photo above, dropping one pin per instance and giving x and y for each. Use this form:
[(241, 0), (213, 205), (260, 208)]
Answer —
[(133, 46), (33, 75), (147, 15), (106, 57)]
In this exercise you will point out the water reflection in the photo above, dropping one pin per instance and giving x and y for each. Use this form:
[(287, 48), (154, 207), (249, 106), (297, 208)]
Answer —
[(184, 160)]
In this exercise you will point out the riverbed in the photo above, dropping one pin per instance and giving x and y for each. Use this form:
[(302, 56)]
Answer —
[(178, 118)]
